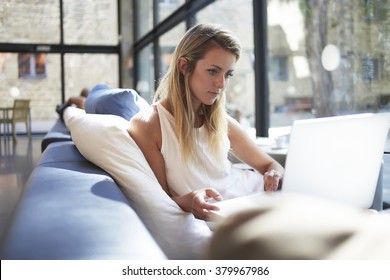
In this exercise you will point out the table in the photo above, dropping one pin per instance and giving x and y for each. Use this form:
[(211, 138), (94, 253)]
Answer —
[(268, 145)]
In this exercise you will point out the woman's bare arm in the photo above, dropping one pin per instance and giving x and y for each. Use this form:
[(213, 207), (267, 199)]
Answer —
[(145, 129), (245, 149)]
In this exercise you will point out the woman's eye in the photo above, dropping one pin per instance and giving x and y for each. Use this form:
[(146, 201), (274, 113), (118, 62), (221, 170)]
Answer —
[(228, 75), (213, 72)]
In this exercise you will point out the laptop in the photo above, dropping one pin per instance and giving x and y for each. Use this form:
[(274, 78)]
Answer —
[(336, 158)]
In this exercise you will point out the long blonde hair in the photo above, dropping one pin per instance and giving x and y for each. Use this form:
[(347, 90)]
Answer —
[(174, 86)]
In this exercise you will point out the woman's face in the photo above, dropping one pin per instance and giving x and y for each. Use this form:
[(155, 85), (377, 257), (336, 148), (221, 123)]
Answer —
[(211, 76)]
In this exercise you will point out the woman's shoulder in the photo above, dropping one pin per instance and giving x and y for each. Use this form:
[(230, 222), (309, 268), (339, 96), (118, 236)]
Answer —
[(145, 119), (145, 128)]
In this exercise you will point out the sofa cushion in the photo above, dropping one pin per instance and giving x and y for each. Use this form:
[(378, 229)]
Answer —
[(65, 151), (178, 233), (75, 210), (58, 133), (116, 101)]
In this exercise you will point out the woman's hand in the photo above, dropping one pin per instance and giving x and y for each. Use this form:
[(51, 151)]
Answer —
[(197, 202), (272, 180)]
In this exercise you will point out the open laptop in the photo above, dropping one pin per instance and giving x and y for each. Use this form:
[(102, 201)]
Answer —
[(337, 158)]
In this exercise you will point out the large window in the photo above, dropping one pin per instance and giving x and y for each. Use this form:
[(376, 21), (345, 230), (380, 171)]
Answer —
[(51, 50), (323, 58), (343, 45)]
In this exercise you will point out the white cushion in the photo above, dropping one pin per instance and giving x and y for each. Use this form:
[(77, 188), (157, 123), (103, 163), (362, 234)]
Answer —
[(104, 140)]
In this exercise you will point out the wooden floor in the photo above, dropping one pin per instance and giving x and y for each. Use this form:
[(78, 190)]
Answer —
[(17, 160)]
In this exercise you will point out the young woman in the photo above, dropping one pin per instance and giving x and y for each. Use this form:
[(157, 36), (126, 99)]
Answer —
[(186, 135)]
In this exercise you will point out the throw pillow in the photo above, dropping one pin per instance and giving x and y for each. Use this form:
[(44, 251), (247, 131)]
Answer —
[(302, 227), (116, 101), (104, 140)]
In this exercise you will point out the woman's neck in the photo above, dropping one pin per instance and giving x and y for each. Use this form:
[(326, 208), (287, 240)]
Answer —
[(198, 113)]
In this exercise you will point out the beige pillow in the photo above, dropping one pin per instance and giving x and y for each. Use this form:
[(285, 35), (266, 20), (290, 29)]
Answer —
[(304, 228), (103, 140)]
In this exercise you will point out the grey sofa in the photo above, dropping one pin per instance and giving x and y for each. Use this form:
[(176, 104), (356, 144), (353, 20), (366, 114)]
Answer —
[(72, 209)]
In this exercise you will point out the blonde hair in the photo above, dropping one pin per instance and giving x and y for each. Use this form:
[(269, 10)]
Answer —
[(174, 86)]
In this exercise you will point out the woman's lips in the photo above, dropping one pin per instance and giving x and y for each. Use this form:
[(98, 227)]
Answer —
[(214, 93)]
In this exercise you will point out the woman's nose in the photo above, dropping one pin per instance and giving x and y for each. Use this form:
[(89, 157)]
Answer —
[(220, 82)]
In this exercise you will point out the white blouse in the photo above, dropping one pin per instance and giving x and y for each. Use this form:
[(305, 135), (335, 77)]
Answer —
[(182, 178)]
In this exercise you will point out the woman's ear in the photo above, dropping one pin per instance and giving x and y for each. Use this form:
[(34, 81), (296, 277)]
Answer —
[(182, 65)]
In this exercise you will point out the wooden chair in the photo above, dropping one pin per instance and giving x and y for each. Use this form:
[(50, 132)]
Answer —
[(20, 112)]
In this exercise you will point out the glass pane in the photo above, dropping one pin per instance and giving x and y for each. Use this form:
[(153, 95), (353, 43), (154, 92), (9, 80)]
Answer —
[(167, 7), (145, 84), (289, 75), (241, 88), (145, 17), (30, 21), (341, 67), (87, 70), (44, 92), (91, 22), (168, 44)]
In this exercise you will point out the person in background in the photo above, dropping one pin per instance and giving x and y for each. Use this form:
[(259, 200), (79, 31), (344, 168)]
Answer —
[(77, 101), (186, 135)]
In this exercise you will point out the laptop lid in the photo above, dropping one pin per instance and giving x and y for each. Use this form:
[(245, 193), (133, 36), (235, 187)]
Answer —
[(337, 158)]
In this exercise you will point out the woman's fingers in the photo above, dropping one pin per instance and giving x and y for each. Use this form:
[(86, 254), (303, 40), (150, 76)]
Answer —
[(201, 205), (272, 180), (213, 194)]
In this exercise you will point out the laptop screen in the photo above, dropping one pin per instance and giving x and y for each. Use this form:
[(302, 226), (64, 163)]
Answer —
[(337, 157)]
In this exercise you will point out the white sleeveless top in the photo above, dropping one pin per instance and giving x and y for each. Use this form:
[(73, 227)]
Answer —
[(229, 181)]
